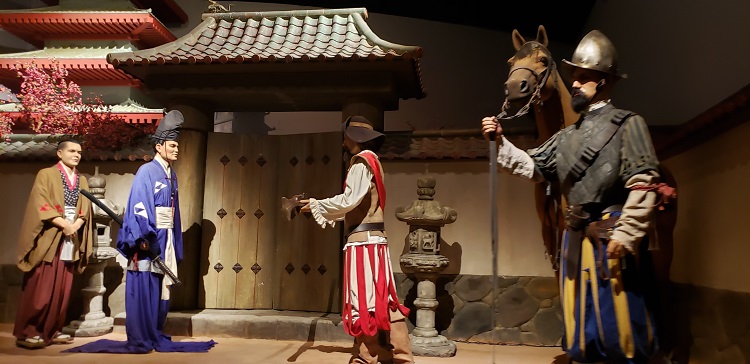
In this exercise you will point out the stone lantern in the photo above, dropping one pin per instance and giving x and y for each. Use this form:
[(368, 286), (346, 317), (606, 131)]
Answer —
[(425, 217), (93, 320)]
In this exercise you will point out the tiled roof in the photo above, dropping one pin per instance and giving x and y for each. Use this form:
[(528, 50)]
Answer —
[(43, 147), (56, 22), (314, 36), (441, 145), (129, 110), (85, 66), (407, 146)]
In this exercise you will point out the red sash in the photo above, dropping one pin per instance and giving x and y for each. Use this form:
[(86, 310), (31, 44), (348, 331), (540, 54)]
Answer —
[(374, 163)]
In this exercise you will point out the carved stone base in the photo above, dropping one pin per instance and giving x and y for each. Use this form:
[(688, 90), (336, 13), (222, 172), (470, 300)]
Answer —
[(89, 328), (436, 346)]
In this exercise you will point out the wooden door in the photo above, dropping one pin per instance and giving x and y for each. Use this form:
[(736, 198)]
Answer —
[(252, 256), (309, 257)]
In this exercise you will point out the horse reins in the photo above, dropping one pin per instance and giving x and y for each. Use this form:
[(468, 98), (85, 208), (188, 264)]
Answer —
[(537, 95)]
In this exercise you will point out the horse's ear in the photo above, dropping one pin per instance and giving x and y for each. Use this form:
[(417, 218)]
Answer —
[(541, 36), (518, 40)]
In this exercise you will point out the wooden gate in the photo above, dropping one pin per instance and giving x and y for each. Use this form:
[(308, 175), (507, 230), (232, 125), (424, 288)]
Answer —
[(252, 256)]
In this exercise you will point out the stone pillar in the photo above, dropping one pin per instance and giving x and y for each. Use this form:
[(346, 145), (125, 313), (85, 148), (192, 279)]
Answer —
[(370, 108), (93, 320), (425, 217), (190, 168)]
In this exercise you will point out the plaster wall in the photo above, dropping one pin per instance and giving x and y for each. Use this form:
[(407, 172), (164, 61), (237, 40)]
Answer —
[(711, 244), (462, 186)]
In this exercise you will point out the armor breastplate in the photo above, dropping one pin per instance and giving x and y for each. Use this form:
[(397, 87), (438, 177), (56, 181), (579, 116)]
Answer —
[(601, 182)]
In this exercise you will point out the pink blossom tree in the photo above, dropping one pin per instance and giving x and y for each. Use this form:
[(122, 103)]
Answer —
[(50, 104), (6, 122)]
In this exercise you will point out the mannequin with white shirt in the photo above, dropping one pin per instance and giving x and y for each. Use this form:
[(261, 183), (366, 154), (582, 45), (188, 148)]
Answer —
[(371, 312)]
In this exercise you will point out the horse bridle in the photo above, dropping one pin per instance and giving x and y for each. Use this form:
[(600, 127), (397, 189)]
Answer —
[(537, 95)]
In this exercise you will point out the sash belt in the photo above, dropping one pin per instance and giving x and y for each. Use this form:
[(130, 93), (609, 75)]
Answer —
[(369, 226)]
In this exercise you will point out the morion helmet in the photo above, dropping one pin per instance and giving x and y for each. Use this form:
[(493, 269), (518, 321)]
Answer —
[(595, 52)]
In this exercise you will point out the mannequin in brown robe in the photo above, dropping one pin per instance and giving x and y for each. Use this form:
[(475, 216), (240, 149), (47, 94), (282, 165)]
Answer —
[(56, 239)]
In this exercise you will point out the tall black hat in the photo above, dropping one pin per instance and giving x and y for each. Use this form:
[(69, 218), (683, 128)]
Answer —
[(360, 130), (169, 127)]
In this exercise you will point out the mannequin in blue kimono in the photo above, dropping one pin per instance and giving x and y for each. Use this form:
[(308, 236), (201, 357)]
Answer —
[(151, 227)]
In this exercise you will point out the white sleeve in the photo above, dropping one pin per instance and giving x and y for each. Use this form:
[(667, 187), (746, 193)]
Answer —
[(515, 161), (635, 219), (328, 211)]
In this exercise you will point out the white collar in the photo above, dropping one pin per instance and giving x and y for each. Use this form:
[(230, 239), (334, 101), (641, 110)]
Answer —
[(71, 172), (164, 164), (598, 105)]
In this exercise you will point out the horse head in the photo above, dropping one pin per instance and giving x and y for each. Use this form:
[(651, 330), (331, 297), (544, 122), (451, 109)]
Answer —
[(529, 80)]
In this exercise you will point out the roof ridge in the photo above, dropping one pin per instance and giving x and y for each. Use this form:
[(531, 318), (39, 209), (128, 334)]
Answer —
[(283, 13), (369, 34), (191, 36)]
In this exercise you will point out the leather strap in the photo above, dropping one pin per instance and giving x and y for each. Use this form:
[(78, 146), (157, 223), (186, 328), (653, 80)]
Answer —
[(591, 150), (368, 226)]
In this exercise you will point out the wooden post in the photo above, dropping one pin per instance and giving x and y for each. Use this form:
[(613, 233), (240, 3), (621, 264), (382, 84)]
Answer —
[(370, 108), (191, 169)]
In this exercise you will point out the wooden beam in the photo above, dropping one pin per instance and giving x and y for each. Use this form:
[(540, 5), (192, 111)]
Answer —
[(732, 111)]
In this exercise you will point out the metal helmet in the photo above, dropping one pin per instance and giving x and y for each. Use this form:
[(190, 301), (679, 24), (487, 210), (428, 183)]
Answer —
[(595, 52)]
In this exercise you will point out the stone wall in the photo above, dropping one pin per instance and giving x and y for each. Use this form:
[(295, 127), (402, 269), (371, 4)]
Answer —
[(527, 309), (708, 325), (713, 323)]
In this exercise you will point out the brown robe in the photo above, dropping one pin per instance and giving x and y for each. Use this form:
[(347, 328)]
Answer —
[(46, 285), (39, 239)]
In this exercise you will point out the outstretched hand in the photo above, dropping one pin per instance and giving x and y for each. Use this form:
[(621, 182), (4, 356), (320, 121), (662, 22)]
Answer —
[(489, 126), (306, 206)]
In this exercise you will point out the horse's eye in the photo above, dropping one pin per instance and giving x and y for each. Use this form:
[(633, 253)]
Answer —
[(543, 60)]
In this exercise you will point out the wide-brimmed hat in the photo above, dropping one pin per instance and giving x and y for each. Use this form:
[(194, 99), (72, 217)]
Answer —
[(360, 130)]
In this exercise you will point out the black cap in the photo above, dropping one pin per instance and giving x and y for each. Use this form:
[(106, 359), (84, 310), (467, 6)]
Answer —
[(169, 127)]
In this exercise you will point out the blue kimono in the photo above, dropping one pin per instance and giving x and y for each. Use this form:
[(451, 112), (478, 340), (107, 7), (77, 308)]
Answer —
[(152, 194)]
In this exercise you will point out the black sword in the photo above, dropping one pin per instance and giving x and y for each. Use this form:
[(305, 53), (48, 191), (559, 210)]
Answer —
[(155, 258)]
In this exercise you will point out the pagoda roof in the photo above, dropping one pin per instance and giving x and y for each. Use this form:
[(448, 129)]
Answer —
[(131, 111), (35, 26), (287, 60), (168, 11), (87, 66)]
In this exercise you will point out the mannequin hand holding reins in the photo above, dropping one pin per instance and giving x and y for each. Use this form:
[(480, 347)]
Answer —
[(491, 128)]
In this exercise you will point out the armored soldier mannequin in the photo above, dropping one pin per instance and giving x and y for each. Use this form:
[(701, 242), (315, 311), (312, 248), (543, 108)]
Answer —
[(606, 167)]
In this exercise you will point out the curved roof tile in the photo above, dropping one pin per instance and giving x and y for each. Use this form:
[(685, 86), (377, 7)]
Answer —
[(279, 36)]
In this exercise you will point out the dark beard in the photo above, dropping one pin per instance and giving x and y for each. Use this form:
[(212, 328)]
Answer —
[(346, 155), (579, 101)]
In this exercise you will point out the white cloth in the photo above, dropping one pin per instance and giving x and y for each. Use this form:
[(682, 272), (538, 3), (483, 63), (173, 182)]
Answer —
[(515, 161), (165, 220), (328, 211), (637, 213), (66, 251), (379, 260)]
